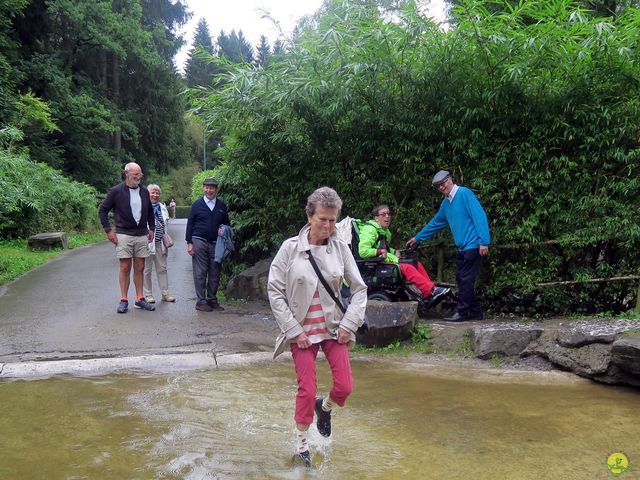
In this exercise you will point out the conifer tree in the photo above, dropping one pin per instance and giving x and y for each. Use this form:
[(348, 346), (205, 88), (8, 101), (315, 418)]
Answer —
[(278, 47), (235, 47), (197, 71), (263, 53)]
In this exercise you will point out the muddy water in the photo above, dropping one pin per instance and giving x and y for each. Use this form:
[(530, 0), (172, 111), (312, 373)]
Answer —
[(403, 421)]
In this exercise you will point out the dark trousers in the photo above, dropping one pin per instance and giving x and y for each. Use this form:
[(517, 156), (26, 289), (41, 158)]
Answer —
[(206, 272), (467, 269)]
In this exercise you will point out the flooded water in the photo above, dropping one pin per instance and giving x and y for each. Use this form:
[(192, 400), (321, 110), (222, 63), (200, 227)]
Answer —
[(403, 421)]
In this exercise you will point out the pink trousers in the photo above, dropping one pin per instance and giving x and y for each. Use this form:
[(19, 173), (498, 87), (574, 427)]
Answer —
[(337, 355), (418, 276)]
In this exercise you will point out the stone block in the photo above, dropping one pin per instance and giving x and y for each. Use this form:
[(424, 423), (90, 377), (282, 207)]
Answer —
[(583, 332), (625, 353), (48, 241), (508, 340), (587, 361), (251, 284), (387, 322)]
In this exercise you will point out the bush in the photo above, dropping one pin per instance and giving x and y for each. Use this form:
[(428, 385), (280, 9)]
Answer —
[(534, 106), (182, 211), (35, 197)]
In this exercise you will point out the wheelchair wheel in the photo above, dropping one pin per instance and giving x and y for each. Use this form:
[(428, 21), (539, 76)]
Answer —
[(380, 296)]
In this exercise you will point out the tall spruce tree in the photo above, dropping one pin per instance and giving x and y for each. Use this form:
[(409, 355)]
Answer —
[(235, 47), (278, 47), (263, 53), (198, 71)]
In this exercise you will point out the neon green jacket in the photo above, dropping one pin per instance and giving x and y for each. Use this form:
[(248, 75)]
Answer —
[(370, 233)]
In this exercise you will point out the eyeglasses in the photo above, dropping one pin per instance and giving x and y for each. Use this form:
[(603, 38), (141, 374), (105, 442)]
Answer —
[(384, 214)]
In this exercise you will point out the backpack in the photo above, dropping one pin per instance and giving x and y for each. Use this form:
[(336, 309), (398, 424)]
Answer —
[(348, 229)]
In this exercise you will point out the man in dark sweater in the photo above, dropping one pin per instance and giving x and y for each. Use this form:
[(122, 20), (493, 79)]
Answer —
[(206, 215), (135, 227)]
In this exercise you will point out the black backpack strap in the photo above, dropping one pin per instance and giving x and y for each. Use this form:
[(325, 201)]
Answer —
[(324, 282)]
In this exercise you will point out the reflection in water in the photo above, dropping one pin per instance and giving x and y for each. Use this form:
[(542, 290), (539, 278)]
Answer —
[(401, 422)]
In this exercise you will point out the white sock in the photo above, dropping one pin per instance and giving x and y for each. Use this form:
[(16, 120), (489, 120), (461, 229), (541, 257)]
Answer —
[(328, 404), (302, 445)]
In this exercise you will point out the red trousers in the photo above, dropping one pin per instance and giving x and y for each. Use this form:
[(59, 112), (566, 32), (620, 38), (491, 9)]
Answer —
[(418, 276), (337, 355)]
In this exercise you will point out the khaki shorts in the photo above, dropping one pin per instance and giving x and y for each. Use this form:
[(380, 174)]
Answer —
[(130, 246)]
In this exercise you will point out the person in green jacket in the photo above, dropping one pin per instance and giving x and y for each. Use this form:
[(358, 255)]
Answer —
[(375, 240)]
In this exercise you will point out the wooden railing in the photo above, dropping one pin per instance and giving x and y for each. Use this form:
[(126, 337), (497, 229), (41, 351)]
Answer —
[(440, 249)]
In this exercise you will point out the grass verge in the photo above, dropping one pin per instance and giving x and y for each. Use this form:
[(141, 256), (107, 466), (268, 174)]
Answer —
[(16, 259)]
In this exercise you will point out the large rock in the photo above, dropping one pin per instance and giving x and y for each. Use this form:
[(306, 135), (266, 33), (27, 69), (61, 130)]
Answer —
[(507, 340), (588, 361), (625, 354), (250, 284), (581, 333), (387, 322), (48, 241)]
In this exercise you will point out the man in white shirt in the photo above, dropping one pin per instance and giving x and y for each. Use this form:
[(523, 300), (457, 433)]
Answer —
[(135, 228)]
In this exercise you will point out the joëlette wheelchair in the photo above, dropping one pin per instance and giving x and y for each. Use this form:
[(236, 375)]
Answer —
[(385, 281)]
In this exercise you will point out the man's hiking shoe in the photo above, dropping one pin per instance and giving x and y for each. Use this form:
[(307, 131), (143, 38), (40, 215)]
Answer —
[(324, 419), (203, 307), (150, 299), (123, 306), (143, 304), (303, 457), (215, 305)]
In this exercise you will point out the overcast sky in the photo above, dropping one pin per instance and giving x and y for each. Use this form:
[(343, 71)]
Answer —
[(245, 15)]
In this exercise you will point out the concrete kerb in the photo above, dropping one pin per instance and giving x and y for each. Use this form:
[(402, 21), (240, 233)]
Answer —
[(158, 364)]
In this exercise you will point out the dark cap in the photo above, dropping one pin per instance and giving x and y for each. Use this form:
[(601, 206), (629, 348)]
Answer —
[(440, 177), (210, 181)]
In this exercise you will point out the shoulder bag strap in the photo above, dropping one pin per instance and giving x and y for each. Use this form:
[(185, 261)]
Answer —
[(324, 282)]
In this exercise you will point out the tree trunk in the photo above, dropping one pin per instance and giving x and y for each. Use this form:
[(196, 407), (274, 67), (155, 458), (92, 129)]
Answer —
[(115, 96)]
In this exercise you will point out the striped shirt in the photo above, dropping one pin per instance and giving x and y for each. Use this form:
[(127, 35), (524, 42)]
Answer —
[(157, 211), (315, 325)]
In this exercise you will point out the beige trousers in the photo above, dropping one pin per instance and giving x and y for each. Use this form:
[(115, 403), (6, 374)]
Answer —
[(160, 262)]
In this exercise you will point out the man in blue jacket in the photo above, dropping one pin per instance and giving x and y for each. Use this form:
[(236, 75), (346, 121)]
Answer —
[(206, 216), (461, 210)]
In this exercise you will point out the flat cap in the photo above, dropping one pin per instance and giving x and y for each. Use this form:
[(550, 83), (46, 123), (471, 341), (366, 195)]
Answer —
[(440, 177), (210, 181)]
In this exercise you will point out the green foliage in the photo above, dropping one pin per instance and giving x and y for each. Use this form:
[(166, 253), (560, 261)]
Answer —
[(235, 47), (182, 211), (34, 197), (93, 85), (464, 347), (176, 184), (263, 53), (496, 360), (630, 315), (420, 338), (199, 72), (534, 106), (16, 259), (420, 333), (32, 109)]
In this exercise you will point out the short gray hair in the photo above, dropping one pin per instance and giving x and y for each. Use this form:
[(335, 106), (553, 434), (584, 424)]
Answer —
[(325, 197), (153, 186)]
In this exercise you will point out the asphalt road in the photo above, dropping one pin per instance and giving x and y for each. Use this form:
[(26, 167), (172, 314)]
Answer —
[(66, 309)]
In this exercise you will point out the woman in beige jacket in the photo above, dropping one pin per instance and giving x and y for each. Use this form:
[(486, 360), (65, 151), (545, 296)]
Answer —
[(308, 316)]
